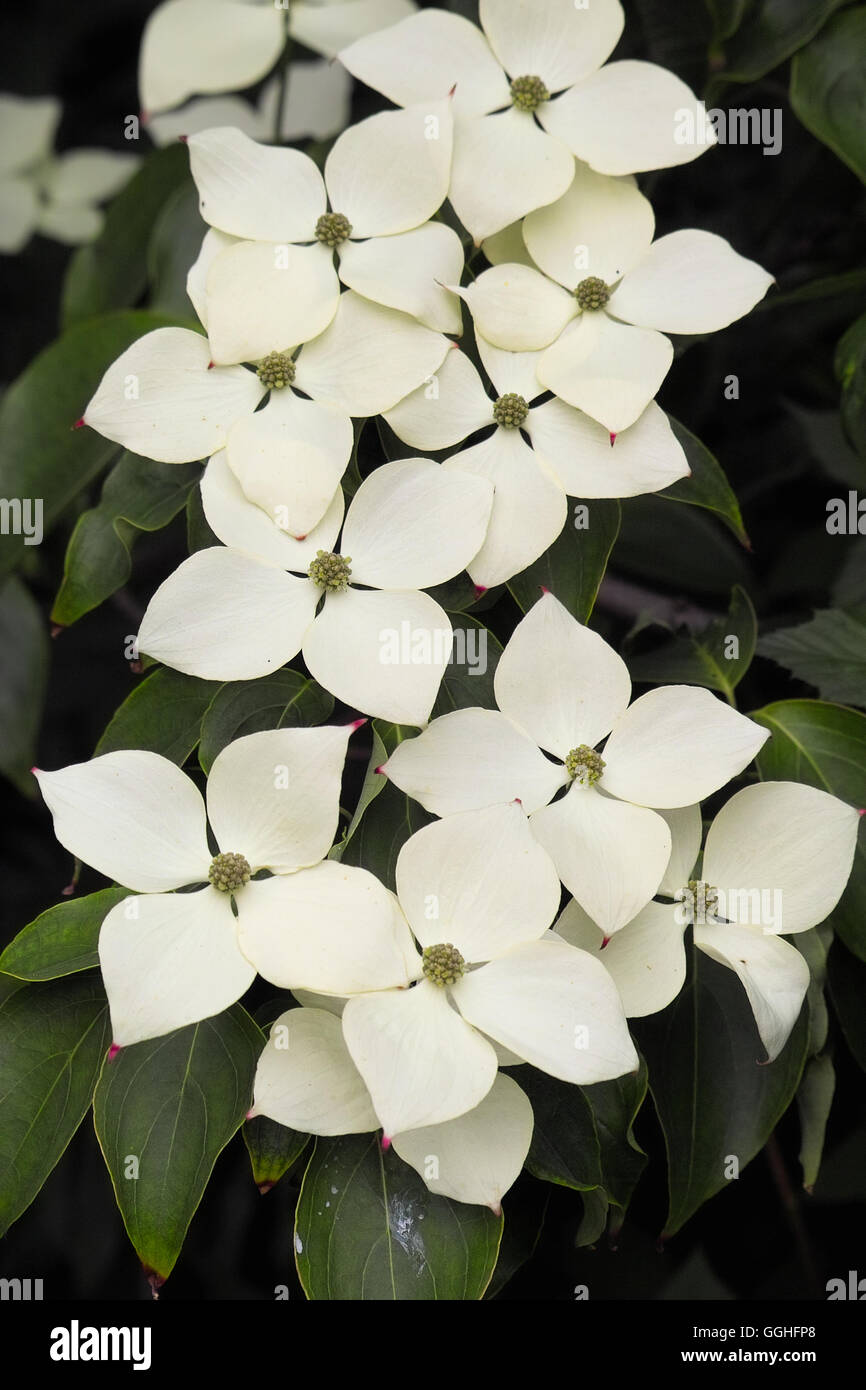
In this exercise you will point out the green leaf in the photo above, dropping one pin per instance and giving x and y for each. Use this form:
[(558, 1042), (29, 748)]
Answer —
[(813, 946), (285, 700), (727, 16), (706, 658), (828, 87), (138, 495), (595, 1213), (43, 457), (814, 1099), (468, 679), (61, 940), (53, 1039), (846, 983), (615, 1105), (111, 272), (772, 33), (199, 536), (823, 745), (714, 1099), (23, 681), (829, 652), (163, 714), (573, 567), (173, 247), (682, 548), (165, 1110), (708, 486), (383, 828), (565, 1147), (373, 784), (273, 1148), (850, 367), (368, 1229)]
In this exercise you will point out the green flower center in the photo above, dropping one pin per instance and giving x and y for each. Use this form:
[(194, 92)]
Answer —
[(443, 964), (592, 293), (332, 229), (510, 410), (276, 370), (229, 872), (331, 572), (584, 765), (528, 93), (703, 898)]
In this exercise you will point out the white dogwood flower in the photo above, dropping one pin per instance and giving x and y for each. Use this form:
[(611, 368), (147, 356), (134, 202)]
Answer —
[(55, 195), (608, 295), (164, 399), (307, 1080), (776, 861), (236, 614), (570, 453), (269, 279), (199, 46), (561, 688), (172, 958), (529, 91), (318, 105)]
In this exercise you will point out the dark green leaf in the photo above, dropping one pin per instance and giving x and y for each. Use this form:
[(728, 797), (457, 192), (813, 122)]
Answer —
[(173, 247), (43, 457), (527, 1208), (386, 825), (727, 16), (111, 272), (468, 679), (163, 714), (199, 536), (62, 940), (573, 567), (373, 784), (284, 700), (813, 946), (825, 746), (22, 681), (846, 982), (53, 1040), (710, 658), (828, 87), (679, 547), (707, 487), (715, 1101), (272, 1148), (164, 1111), (595, 1213), (565, 1147), (814, 1099), (615, 1105), (138, 495), (367, 1228), (772, 33), (829, 652), (850, 367)]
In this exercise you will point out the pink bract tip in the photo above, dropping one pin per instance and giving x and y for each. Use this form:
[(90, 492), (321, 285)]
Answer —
[(604, 943), (544, 589), (68, 890), (496, 1208), (113, 1051), (517, 801), (453, 90), (183, 139), (479, 589), (251, 1114), (210, 364), (56, 629), (612, 440), (36, 770), (79, 424), (381, 770), (301, 538), (144, 117), (155, 1280), (265, 1187), (358, 724), (862, 811), (386, 1143)]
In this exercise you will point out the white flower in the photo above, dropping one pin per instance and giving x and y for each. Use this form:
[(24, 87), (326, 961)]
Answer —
[(56, 195), (514, 139), (277, 285), (192, 46), (318, 105), (307, 1080), (570, 453), (235, 614), (164, 399), (173, 958), (776, 861), (612, 294), (560, 687)]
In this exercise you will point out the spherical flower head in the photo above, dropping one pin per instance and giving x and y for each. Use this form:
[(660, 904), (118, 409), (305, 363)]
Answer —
[(442, 964), (584, 765), (276, 370), (332, 229), (510, 410), (592, 293), (527, 93), (229, 872), (331, 572)]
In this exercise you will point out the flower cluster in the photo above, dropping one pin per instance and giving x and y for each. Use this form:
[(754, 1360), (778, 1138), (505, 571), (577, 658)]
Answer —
[(332, 296)]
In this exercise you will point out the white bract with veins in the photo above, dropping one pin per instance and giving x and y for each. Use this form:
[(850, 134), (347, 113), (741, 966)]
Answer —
[(561, 688), (570, 453), (776, 861), (608, 295), (171, 958), (529, 92), (267, 267), (236, 614)]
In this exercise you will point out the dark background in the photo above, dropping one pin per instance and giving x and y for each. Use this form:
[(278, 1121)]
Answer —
[(802, 214)]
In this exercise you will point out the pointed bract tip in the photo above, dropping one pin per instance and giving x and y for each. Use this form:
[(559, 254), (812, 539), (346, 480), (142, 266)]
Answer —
[(386, 1142), (184, 139), (79, 424), (496, 1208), (265, 1187), (211, 364), (604, 943), (155, 1280), (381, 770), (479, 589), (544, 589), (661, 1244), (612, 438), (56, 629), (113, 1051), (68, 890), (301, 538), (35, 771), (862, 811), (453, 90), (516, 801), (358, 724)]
